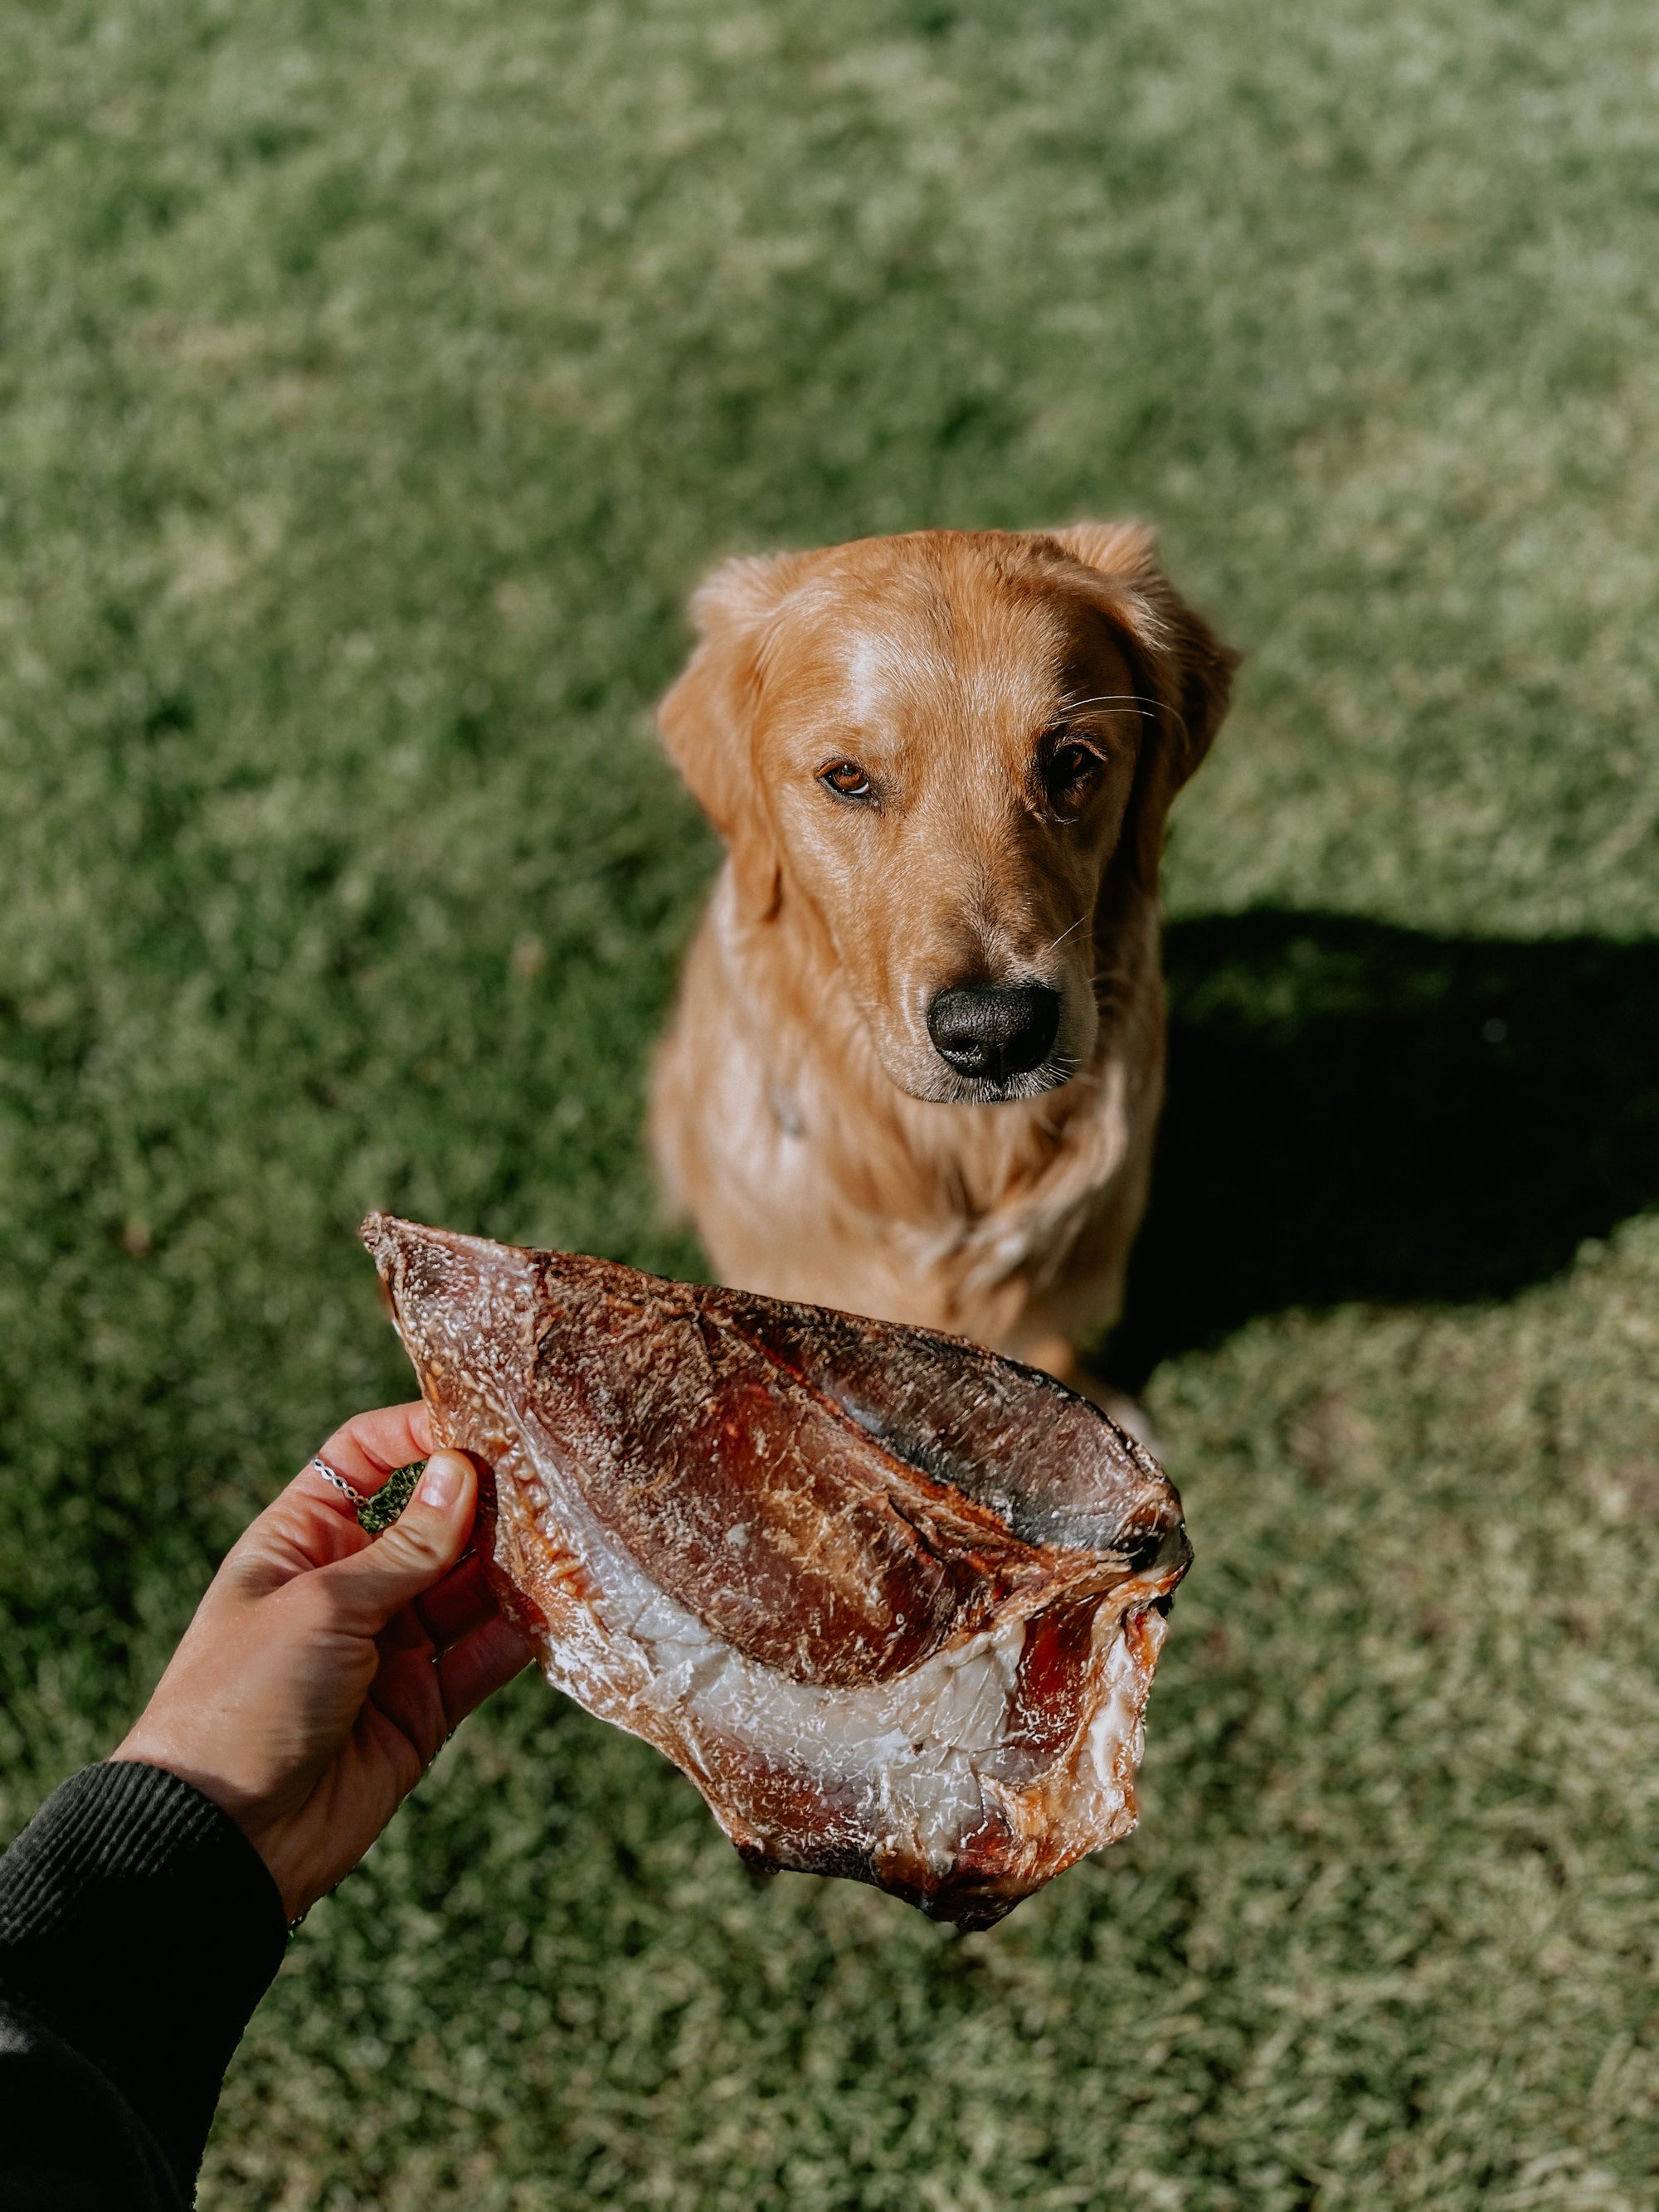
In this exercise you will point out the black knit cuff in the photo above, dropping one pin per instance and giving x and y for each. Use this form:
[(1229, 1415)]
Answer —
[(137, 1920)]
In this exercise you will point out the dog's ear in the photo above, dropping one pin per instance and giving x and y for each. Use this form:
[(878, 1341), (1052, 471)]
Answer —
[(707, 719), (1187, 671), (1190, 669)]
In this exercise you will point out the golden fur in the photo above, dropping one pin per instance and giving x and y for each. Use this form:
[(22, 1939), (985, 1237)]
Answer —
[(801, 1113)]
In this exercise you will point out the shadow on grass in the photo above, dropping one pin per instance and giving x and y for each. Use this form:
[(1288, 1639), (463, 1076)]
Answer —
[(1359, 1112)]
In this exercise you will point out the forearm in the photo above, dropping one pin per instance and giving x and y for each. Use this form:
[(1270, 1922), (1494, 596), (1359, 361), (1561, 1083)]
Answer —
[(139, 1928), (141, 1916)]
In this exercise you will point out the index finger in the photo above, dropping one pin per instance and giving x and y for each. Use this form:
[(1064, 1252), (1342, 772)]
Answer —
[(371, 1446), (311, 1524)]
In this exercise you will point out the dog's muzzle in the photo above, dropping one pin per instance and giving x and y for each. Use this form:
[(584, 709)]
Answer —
[(995, 1033)]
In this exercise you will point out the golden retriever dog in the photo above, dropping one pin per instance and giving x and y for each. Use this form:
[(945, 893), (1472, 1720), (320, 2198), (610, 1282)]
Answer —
[(917, 1059)]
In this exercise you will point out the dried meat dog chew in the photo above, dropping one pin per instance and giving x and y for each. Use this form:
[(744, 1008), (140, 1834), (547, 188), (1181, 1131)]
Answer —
[(891, 1601)]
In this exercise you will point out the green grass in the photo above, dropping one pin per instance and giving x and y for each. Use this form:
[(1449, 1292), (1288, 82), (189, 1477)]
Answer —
[(375, 382)]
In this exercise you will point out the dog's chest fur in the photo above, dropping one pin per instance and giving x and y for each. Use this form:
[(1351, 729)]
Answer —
[(838, 1189)]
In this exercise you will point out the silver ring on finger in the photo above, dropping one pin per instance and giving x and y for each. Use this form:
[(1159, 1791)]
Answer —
[(346, 1489)]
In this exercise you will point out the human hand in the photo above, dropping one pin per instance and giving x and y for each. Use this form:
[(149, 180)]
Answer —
[(324, 1668)]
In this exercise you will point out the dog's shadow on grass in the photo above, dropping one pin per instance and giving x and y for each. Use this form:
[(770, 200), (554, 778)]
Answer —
[(1359, 1112)]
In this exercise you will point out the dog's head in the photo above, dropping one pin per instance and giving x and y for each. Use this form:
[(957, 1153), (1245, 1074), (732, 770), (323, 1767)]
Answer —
[(951, 754)]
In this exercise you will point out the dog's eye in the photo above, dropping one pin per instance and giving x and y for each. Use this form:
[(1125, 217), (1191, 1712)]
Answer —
[(847, 780), (1070, 768)]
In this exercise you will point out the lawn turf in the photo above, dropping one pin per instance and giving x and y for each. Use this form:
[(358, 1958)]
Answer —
[(374, 382)]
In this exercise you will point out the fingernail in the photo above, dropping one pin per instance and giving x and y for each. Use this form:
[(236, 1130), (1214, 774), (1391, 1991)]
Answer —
[(440, 1486)]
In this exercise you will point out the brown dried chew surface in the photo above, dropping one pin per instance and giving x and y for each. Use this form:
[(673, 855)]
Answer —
[(891, 1601)]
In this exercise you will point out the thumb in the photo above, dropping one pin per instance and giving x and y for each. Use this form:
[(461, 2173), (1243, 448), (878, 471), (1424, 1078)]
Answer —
[(419, 1549)]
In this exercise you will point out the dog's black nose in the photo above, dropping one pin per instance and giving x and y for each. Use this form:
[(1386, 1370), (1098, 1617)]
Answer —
[(994, 1033)]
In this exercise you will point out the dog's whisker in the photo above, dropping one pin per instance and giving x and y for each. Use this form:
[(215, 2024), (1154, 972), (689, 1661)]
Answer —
[(1128, 699), (1061, 939), (1111, 699)]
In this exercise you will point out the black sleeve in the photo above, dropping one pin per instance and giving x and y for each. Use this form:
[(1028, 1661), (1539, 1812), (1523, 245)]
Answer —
[(138, 1930)]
